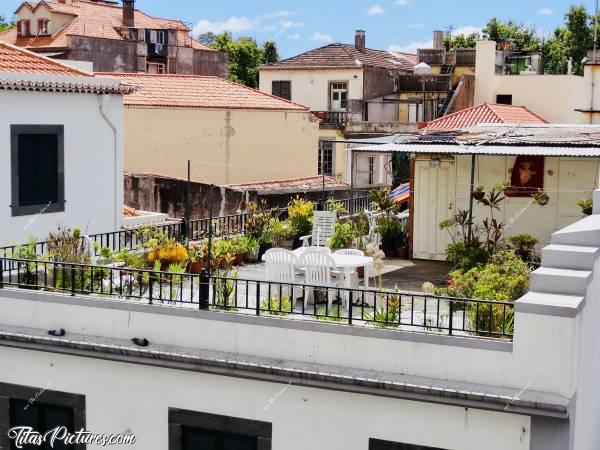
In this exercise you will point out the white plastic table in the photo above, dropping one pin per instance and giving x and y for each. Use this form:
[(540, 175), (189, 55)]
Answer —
[(347, 263)]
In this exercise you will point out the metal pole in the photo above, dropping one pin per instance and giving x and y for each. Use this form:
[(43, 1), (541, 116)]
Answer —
[(186, 225), (470, 230), (210, 230), (322, 173)]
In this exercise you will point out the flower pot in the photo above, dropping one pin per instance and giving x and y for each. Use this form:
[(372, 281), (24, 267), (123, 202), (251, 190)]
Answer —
[(402, 252), (287, 244), (542, 200), (390, 252), (197, 266), (478, 195), (238, 259), (252, 255), (588, 211)]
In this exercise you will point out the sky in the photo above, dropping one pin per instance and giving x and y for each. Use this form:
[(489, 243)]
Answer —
[(297, 26)]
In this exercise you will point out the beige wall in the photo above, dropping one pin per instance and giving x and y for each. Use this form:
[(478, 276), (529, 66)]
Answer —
[(229, 146), (57, 21), (553, 97), (311, 87), (340, 152), (441, 192)]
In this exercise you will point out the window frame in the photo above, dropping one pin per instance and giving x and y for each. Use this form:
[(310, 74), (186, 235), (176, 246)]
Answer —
[(15, 132), (180, 418), (42, 395), (276, 88), (333, 150)]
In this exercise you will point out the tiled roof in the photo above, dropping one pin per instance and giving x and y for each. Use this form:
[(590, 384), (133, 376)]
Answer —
[(344, 56), (484, 113), (193, 91), (305, 184), (99, 20), (19, 60)]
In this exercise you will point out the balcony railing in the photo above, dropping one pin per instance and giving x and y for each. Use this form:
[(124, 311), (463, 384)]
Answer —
[(332, 117), (465, 56), (424, 83), (360, 307), (431, 56)]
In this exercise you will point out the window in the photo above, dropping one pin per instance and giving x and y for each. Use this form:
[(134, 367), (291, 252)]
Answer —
[(37, 167), (326, 157), (504, 99), (25, 28), (160, 37), (156, 68), (371, 169), (42, 410), (365, 170), (376, 444), (282, 89), (189, 430), (338, 96), (43, 26)]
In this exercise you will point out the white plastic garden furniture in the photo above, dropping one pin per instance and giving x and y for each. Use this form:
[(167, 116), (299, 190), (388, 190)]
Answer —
[(318, 267), (354, 282), (323, 228), (374, 236), (282, 265)]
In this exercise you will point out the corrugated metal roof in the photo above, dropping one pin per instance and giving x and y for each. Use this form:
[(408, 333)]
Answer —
[(454, 149)]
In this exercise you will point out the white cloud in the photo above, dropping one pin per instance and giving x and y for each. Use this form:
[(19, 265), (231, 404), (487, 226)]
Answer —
[(294, 37), (374, 10), (545, 12), (321, 37), (413, 46), (402, 2), (233, 24)]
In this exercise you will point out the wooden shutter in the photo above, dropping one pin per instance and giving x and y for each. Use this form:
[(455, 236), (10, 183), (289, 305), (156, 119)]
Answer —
[(285, 90), (27, 27), (19, 29)]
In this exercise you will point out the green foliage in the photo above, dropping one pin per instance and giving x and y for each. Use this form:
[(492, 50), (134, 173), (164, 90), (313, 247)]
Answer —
[(244, 55), (5, 25), (65, 245), (504, 278), (335, 314), (523, 36), (388, 315), (336, 206), (461, 41), (280, 230), (278, 306), (392, 231), (343, 236), (27, 271), (258, 220), (523, 241), (381, 201), (465, 257), (586, 206), (300, 215)]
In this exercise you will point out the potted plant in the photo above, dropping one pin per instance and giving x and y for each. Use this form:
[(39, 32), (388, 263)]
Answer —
[(281, 233), (586, 206), (300, 215), (197, 255), (393, 239), (252, 248), (541, 198), (478, 193), (257, 224), (524, 245), (343, 236), (167, 252)]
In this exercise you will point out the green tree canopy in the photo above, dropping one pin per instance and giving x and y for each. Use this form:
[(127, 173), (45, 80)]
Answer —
[(5, 24), (244, 54)]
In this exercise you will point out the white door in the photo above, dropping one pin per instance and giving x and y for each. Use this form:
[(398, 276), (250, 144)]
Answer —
[(434, 201)]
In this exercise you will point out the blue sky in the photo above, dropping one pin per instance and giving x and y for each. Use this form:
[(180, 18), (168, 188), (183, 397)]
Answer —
[(390, 24)]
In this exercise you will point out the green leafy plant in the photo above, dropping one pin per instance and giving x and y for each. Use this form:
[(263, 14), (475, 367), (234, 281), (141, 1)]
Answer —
[(387, 315), (334, 314), (541, 198), (27, 270), (280, 230), (278, 306), (336, 206), (586, 206), (381, 201), (343, 236), (258, 220), (300, 215), (523, 241), (392, 231)]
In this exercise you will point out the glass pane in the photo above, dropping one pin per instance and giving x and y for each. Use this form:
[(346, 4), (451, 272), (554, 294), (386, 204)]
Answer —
[(336, 96), (38, 169)]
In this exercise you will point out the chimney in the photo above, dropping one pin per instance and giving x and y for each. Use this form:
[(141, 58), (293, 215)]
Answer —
[(438, 40), (359, 40), (129, 13)]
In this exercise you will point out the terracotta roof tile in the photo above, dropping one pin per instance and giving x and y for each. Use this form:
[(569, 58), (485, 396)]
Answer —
[(96, 20), (16, 59), (344, 56), (304, 184), (193, 91), (484, 113)]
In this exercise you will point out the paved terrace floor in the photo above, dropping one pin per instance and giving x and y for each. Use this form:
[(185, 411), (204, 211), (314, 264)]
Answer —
[(402, 274)]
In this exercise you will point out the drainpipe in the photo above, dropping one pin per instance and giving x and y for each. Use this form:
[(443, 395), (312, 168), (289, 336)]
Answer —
[(118, 202), (594, 63)]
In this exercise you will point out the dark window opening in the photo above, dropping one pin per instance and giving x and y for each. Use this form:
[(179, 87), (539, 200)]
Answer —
[(189, 430), (326, 158), (41, 417), (504, 99), (377, 444), (282, 89), (37, 169)]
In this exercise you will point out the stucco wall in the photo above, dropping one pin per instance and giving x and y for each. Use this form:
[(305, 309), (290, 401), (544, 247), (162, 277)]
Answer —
[(93, 167), (311, 87), (227, 146), (137, 398), (566, 180)]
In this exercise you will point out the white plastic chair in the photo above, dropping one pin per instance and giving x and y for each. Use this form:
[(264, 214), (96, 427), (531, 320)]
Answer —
[(374, 236), (282, 265), (323, 228), (318, 267)]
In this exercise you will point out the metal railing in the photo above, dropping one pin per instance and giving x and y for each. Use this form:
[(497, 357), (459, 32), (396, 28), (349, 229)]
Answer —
[(369, 307), (431, 56), (424, 83), (197, 229), (332, 117)]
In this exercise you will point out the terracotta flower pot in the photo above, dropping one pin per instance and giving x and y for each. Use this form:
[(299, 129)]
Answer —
[(197, 266)]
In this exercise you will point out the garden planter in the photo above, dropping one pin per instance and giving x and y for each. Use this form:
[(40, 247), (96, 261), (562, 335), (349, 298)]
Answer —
[(252, 255), (197, 266), (263, 248), (402, 252), (287, 244), (588, 211), (238, 259), (478, 195), (390, 252)]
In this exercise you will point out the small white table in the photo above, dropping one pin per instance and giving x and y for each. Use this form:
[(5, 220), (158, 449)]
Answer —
[(347, 263)]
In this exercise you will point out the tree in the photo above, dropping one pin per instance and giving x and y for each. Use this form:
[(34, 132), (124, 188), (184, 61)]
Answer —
[(245, 56), (461, 41), (523, 37), (5, 25), (207, 38), (270, 52)]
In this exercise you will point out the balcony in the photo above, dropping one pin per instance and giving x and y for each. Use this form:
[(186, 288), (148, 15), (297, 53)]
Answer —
[(338, 118), (424, 83)]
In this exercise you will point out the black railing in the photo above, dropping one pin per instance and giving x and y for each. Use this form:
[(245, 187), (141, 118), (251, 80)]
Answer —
[(424, 83), (369, 307), (197, 229)]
